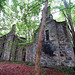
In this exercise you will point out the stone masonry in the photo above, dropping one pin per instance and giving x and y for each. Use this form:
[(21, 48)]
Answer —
[(56, 34), (59, 38), (9, 48)]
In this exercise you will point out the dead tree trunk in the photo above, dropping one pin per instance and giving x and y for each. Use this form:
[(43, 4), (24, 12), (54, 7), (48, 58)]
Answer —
[(38, 52)]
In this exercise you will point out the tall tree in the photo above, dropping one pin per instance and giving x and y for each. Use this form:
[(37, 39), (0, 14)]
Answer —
[(24, 14), (39, 47), (69, 18)]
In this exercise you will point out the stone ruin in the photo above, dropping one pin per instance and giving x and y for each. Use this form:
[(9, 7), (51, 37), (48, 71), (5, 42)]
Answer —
[(10, 49), (56, 49), (57, 44)]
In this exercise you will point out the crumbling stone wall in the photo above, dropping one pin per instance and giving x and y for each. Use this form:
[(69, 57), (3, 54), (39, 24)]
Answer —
[(59, 38), (9, 48), (29, 51), (2, 42), (65, 45)]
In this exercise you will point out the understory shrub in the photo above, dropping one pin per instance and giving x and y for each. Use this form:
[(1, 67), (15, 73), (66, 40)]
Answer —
[(44, 73), (25, 63), (67, 70), (17, 61), (31, 64)]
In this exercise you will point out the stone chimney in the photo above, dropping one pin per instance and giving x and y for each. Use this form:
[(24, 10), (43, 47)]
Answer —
[(14, 27), (48, 13)]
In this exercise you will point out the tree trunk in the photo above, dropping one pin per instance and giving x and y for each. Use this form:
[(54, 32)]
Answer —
[(74, 39), (70, 19), (39, 47)]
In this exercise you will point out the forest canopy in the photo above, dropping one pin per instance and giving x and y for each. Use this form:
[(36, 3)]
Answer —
[(27, 14)]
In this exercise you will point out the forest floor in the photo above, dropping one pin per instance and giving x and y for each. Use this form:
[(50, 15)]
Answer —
[(10, 68)]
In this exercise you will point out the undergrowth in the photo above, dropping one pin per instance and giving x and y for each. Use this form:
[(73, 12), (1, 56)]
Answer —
[(67, 70)]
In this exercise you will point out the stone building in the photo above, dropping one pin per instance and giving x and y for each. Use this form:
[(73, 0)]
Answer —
[(60, 51), (10, 49), (56, 49)]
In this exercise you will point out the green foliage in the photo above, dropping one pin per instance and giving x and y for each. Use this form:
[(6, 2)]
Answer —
[(2, 3), (17, 61), (67, 70), (55, 73), (25, 14), (22, 13), (28, 74), (21, 40), (25, 63), (31, 64), (44, 73), (58, 5)]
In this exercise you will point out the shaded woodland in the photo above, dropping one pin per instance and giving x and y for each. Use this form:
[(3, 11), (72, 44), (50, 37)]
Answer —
[(30, 18)]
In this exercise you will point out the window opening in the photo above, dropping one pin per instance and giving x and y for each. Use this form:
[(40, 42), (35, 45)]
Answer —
[(47, 35)]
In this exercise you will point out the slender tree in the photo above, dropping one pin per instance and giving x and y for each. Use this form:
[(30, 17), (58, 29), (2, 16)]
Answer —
[(69, 18), (39, 47)]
